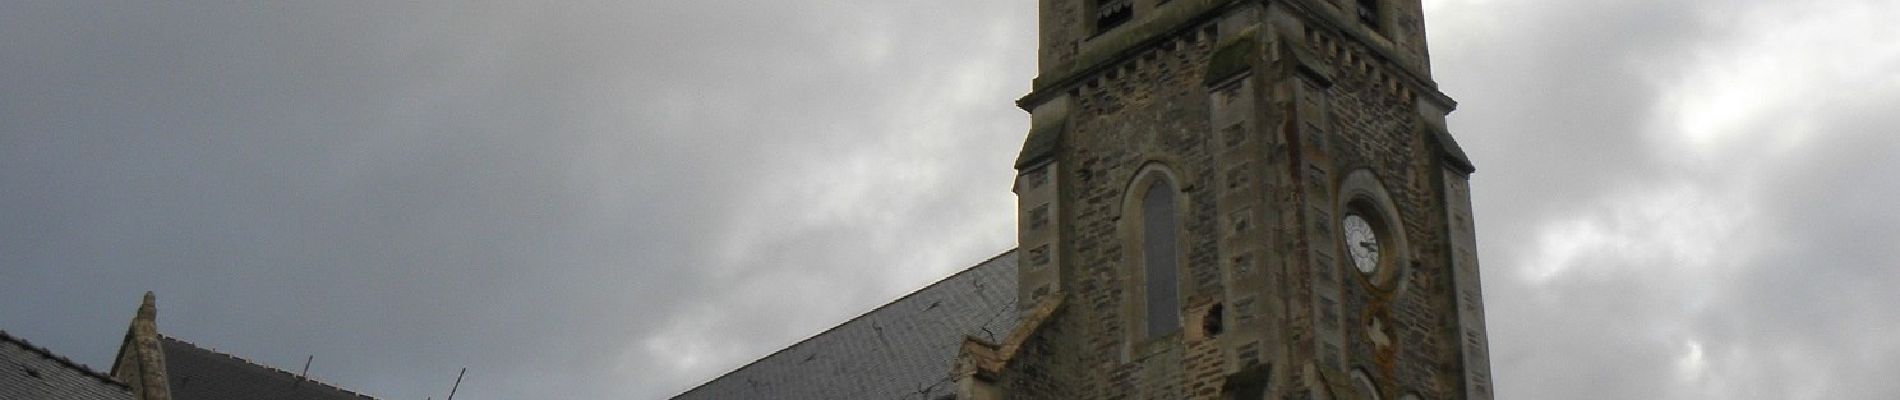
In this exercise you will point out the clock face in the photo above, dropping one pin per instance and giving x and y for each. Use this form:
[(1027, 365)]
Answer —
[(1362, 242)]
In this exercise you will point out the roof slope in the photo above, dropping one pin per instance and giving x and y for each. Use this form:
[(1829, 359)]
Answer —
[(903, 350), (199, 374), (28, 372)]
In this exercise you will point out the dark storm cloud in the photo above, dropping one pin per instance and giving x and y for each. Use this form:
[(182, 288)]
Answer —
[(576, 201), (620, 200)]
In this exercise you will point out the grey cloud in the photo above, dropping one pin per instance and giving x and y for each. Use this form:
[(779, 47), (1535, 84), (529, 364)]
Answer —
[(622, 200), (1814, 307), (529, 190), (1741, 268)]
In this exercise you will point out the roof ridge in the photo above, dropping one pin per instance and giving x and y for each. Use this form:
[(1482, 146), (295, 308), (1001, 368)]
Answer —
[(967, 270), (43, 352), (267, 367)]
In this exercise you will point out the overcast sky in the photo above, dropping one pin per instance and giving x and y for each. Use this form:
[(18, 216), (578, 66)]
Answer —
[(1675, 199)]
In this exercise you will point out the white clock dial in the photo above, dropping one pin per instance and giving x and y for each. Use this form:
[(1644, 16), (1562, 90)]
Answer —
[(1362, 243)]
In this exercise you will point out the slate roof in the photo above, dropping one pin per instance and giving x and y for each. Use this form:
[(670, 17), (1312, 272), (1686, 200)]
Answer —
[(32, 373), (197, 373), (903, 350)]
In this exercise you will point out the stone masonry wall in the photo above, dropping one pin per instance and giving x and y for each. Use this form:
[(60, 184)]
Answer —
[(1260, 159), (1402, 335), (1150, 108)]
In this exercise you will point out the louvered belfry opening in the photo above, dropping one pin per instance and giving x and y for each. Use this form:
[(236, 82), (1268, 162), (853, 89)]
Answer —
[(1369, 13), (1112, 13)]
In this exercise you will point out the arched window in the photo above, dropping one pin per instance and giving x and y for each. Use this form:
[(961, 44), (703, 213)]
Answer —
[(1160, 254)]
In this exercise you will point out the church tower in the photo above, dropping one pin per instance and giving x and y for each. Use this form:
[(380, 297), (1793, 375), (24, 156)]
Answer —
[(1238, 199)]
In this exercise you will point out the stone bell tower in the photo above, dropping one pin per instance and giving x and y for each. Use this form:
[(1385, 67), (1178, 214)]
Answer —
[(1239, 199)]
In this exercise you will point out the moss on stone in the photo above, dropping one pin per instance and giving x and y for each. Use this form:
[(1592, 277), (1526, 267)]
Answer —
[(1041, 144), (1452, 151), (1122, 42), (1236, 55)]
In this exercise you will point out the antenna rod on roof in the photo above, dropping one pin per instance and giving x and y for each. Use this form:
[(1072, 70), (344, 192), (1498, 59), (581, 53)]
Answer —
[(306, 367), (458, 383)]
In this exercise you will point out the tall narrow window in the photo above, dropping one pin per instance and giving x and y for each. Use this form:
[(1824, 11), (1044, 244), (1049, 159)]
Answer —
[(1159, 258)]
